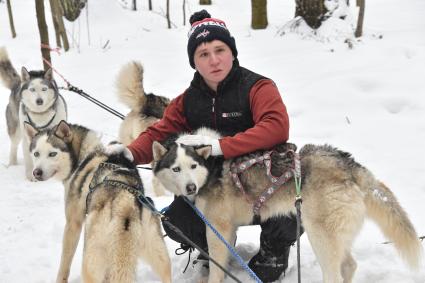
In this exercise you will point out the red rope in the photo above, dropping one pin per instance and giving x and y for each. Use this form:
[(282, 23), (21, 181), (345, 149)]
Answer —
[(57, 49)]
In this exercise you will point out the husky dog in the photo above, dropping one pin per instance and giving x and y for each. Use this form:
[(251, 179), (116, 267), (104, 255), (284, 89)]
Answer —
[(337, 192), (118, 228), (145, 109), (34, 99)]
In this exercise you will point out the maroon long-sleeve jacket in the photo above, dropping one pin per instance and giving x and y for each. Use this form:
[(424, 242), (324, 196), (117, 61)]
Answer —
[(271, 125)]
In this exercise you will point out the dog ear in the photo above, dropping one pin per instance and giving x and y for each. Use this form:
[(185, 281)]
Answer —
[(204, 151), (25, 74), (30, 131), (158, 151), (63, 131), (48, 75)]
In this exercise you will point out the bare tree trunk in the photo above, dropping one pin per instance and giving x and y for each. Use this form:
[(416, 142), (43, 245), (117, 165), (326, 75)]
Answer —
[(60, 31), (150, 5), (184, 12), (168, 14), (55, 22), (44, 33), (259, 14), (312, 11), (12, 25), (204, 2), (359, 30), (134, 5)]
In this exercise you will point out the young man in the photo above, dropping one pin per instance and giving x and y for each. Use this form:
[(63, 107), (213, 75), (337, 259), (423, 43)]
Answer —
[(246, 108)]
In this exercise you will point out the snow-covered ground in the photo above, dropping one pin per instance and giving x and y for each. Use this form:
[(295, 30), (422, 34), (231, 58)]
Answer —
[(368, 100)]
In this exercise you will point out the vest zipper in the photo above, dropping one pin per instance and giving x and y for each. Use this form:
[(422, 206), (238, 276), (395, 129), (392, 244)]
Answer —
[(213, 113)]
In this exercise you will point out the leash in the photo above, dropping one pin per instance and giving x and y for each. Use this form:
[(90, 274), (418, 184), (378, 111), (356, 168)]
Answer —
[(144, 168), (298, 201), (94, 100), (148, 203), (70, 87), (165, 220), (180, 233), (229, 247)]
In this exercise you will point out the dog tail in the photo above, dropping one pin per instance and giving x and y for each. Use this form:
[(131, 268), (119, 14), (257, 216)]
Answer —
[(124, 237), (8, 74), (384, 209), (129, 86)]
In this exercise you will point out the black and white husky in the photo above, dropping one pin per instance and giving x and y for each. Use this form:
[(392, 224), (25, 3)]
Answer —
[(34, 99), (337, 192)]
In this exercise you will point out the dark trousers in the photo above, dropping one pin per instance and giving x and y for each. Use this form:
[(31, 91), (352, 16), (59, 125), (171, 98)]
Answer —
[(277, 233)]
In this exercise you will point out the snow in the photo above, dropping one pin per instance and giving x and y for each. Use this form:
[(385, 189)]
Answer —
[(367, 100)]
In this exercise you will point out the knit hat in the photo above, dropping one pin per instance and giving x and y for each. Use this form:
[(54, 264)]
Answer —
[(206, 29)]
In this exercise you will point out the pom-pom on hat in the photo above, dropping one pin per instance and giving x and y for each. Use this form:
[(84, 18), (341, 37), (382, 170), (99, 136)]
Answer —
[(206, 29)]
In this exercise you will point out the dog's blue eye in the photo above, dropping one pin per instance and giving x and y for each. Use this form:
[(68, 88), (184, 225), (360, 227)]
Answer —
[(32, 89), (36, 154), (193, 166), (176, 169), (44, 89), (52, 154)]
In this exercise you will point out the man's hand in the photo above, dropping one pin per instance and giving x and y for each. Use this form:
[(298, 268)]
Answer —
[(118, 148), (195, 140)]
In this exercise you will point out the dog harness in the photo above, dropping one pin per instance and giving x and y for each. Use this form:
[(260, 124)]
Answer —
[(106, 174), (40, 127), (293, 170)]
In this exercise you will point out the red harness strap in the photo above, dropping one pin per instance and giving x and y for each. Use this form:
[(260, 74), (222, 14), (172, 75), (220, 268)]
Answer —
[(276, 182)]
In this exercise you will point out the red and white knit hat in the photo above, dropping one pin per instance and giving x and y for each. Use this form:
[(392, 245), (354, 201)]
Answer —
[(206, 29)]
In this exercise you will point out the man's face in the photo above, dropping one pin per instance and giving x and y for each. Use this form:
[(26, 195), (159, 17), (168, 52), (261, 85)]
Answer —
[(213, 60)]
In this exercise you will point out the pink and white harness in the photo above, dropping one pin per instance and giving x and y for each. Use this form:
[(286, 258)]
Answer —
[(276, 182)]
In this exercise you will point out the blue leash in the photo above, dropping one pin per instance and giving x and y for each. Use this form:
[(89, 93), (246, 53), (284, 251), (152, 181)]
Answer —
[(147, 202), (229, 247)]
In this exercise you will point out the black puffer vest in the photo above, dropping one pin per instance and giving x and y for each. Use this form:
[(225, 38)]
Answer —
[(227, 111)]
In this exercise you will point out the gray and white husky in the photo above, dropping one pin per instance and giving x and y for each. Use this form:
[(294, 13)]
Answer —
[(338, 194), (101, 191), (34, 99)]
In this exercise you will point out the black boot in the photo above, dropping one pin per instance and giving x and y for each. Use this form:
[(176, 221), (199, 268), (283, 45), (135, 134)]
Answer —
[(269, 267), (277, 236)]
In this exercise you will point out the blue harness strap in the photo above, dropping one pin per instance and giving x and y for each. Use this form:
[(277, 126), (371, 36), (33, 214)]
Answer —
[(229, 247)]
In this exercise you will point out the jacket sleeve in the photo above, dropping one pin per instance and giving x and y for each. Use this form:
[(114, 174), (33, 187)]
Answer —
[(172, 122), (271, 122)]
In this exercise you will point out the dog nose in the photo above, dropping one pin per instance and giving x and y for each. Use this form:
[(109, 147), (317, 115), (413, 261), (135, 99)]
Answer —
[(39, 101), (191, 189), (37, 173)]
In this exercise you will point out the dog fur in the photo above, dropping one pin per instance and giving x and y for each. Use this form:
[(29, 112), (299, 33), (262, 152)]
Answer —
[(34, 99), (145, 109), (337, 192), (118, 229)]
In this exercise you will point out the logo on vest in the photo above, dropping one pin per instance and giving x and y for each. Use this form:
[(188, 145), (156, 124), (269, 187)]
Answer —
[(231, 115)]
